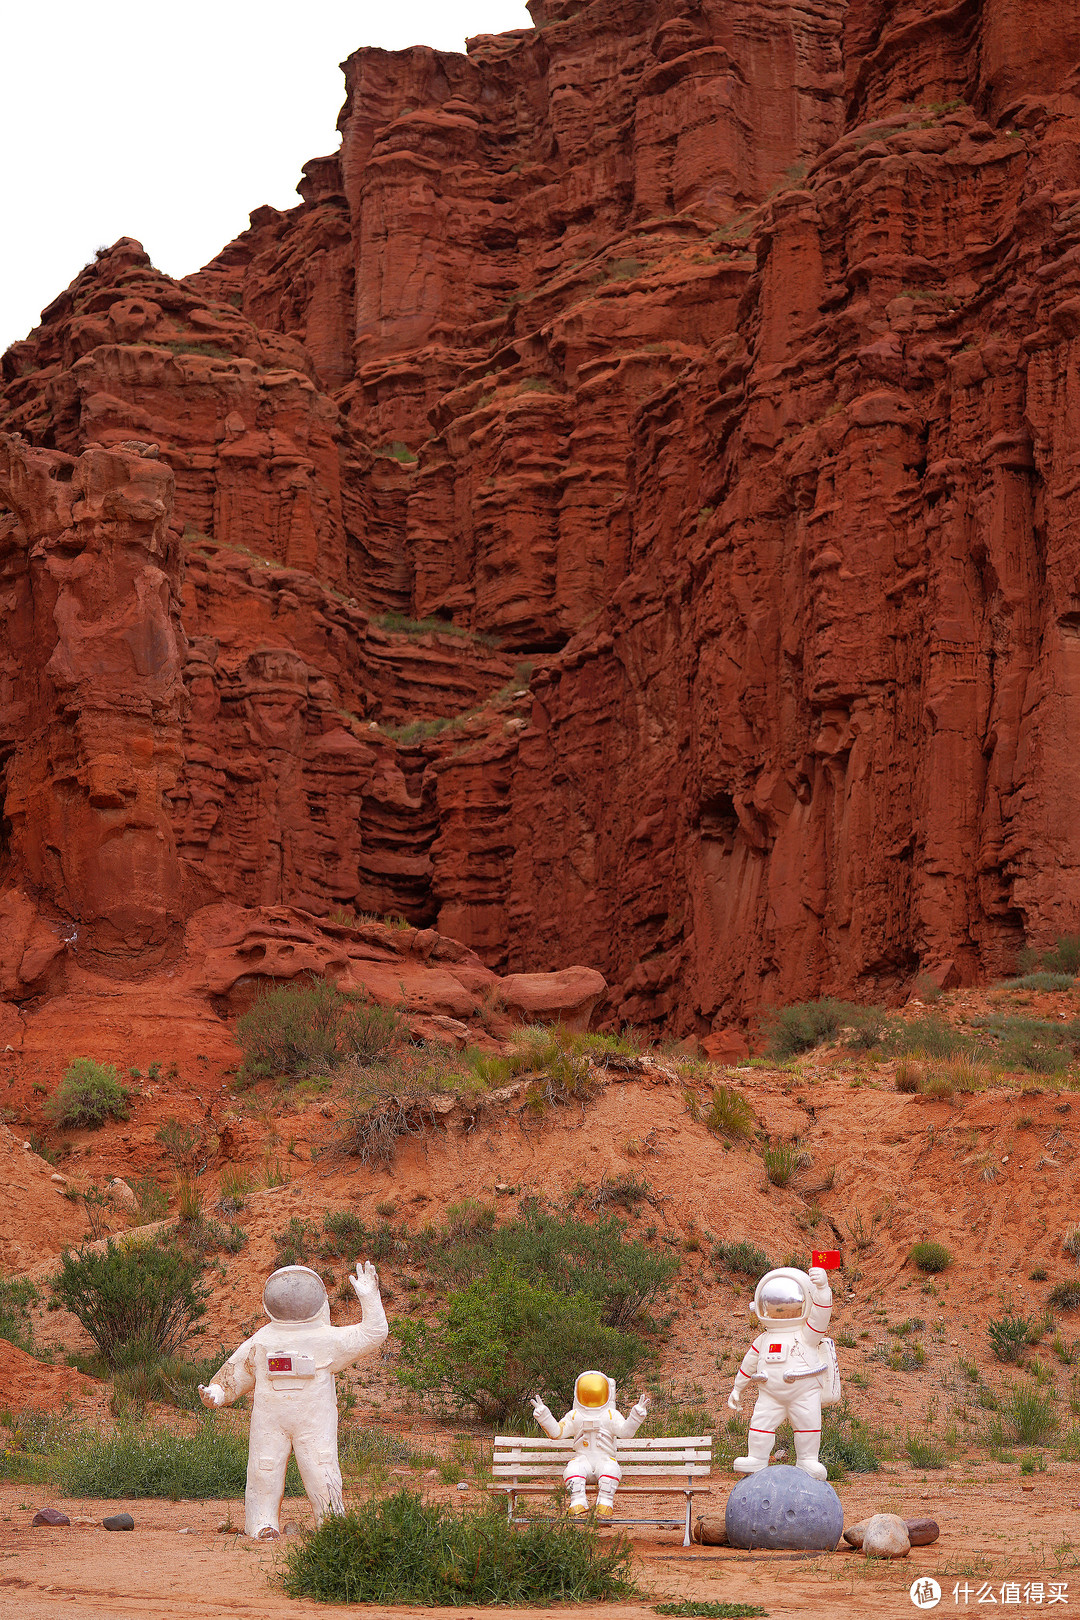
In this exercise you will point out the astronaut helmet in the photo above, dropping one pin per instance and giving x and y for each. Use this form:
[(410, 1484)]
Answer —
[(295, 1294), (593, 1391), (782, 1298)]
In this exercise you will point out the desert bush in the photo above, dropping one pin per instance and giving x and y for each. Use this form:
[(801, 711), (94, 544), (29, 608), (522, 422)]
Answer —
[(1063, 957), (1040, 981), (937, 1084), (388, 1101), (502, 1338), (403, 1550), (135, 1300), (1066, 1295), (296, 1029), (805, 1024), (1071, 1242), (623, 1277), (742, 1257), (152, 1199), (233, 1189), (1031, 1412), (781, 1160), (88, 1095), (729, 1114), (709, 1609), (924, 1451), (16, 1297), (1069, 1449), (136, 1461), (1039, 1045), (930, 1256), (1008, 1337)]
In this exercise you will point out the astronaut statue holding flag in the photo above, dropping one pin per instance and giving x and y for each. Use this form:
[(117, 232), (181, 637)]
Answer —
[(793, 1364)]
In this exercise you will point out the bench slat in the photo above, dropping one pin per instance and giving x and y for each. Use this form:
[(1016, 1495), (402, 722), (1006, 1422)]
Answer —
[(630, 1470), (624, 1490), (642, 1460), (529, 1442)]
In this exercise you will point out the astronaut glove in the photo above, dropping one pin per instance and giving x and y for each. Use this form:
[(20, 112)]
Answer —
[(365, 1285), (211, 1395), (539, 1408), (733, 1400), (819, 1285), (644, 1401)]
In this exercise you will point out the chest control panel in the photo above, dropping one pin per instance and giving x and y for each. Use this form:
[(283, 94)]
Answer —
[(289, 1365)]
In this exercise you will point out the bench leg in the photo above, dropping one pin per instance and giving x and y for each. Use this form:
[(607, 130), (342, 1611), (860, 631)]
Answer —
[(686, 1530)]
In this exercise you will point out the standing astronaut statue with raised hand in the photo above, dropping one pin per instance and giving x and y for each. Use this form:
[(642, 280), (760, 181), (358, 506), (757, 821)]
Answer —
[(595, 1425), (793, 1364), (290, 1364)]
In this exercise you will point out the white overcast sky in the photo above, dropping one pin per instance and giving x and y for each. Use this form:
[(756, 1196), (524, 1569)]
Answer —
[(171, 123)]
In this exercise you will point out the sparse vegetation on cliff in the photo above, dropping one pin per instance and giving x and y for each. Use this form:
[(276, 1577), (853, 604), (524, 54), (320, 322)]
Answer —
[(88, 1095), (298, 1029)]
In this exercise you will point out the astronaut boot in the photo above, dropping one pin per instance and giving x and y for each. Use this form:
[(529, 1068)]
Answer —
[(579, 1502), (759, 1443), (605, 1498), (806, 1454)]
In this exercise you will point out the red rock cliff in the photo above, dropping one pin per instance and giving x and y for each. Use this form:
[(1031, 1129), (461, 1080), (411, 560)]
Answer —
[(629, 507)]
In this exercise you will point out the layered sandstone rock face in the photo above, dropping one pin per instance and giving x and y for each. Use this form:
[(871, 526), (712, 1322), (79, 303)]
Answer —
[(626, 513)]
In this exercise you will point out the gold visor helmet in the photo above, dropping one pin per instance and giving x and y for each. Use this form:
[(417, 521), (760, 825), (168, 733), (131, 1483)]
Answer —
[(591, 1390)]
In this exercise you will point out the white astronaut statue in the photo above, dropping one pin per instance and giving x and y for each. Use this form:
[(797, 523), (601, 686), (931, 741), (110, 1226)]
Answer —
[(595, 1425), (290, 1364), (793, 1364)]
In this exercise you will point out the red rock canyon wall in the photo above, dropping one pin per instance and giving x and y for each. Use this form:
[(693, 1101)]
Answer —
[(628, 512)]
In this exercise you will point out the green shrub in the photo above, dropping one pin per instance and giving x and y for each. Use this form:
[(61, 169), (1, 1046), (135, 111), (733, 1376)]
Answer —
[(502, 1338), (1040, 1045), (134, 1461), (730, 1114), (744, 1258), (16, 1297), (137, 1300), (88, 1095), (1066, 1295), (923, 1451), (1031, 1412), (403, 1550), (1009, 1337), (930, 1257), (295, 1029), (623, 1277), (392, 1099)]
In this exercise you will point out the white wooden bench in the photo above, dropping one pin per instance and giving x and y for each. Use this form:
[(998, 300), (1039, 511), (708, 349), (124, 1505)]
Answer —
[(524, 1465)]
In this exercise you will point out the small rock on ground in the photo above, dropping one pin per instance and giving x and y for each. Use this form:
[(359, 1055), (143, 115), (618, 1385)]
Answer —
[(710, 1532), (119, 1521), (921, 1532), (886, 1536), (50, 1516)]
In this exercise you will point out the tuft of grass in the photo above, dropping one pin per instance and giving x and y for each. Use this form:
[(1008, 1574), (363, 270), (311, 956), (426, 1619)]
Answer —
[(848, 1445), (1009, 1337), (402, 1550), (927, 1038), (1031, 1412), (88, 1095), (923, 1451), (1066, 1295), (781, 1160), (137, 1461), (710, 1610), (729, 1114), (930, 1256), (909, 1077)]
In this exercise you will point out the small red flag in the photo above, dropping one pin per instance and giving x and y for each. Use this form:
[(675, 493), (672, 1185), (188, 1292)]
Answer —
[(828, 1259)]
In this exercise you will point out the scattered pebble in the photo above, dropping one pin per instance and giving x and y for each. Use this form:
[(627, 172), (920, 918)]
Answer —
[(119, 1521), (1026, 1487), (291, 1529), (921, 1532), (462, 1484), (184, 1532), (50, 1516)]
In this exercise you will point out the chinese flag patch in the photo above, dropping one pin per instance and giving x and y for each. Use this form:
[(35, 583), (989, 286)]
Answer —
[(773, 1348), (279, 1363)]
